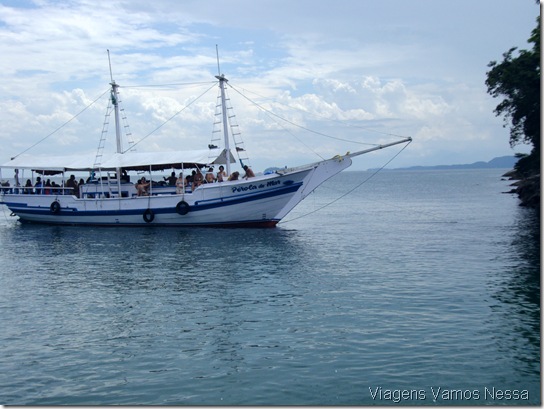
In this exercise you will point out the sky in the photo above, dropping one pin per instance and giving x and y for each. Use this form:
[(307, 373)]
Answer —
[(307, 79)]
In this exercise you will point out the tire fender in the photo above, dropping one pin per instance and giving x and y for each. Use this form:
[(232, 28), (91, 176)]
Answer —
[(55, 207), (183, 208), (148, 216)]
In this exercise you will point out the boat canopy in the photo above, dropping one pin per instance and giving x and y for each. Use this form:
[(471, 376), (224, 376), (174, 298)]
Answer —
[(128, 161)]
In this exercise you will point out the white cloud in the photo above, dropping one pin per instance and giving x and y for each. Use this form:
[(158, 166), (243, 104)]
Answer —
[(361, 69)]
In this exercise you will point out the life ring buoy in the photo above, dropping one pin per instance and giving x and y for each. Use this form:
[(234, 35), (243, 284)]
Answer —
[(55, 207), (148, 216), (183, 208)]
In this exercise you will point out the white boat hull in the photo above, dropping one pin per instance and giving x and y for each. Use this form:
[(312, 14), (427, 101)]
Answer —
[(261, 201)]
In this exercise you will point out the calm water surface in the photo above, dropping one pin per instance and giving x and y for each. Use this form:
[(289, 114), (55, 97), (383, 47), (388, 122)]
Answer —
[(416, 288)]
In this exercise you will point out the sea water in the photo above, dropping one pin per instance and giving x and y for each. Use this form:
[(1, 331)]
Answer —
[(404, 287)]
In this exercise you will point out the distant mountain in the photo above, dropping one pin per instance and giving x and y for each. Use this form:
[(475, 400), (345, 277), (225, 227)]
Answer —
[(502, 162)]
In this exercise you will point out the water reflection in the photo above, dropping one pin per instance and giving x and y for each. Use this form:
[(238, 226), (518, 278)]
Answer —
[(167, 302), (189, 259), (310, 313), (517, 291)]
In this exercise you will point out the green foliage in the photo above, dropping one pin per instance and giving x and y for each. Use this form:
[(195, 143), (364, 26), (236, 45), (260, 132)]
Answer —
[(527, 165), (517, 80)]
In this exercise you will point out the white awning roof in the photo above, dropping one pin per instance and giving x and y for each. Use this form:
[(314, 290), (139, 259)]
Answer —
[(128, 161)]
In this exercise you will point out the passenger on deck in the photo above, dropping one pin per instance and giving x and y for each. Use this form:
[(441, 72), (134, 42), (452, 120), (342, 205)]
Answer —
[(125, 178), (234, 176), (79, 185), (71, 183), (249, 172), (171, 179), (48, 187), (6, 185), (198, 178), (55, 191), (210, 177), (38, 187), (17, 184), (143, 187), (189, 180), (180, 184), (28, 187), (92, 177), (221, 175)]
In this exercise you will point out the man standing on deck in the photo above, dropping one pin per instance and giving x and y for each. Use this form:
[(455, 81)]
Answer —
[(72, 183)]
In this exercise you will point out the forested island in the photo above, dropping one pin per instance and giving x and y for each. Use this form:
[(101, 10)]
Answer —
[(526, 186), (502, 162), (517, 80)]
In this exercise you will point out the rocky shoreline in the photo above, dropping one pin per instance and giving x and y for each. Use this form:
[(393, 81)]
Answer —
[(527, 188)]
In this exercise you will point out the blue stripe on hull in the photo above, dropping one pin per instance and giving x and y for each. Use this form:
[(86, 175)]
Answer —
[(214, 203), (232, 224), (23, 208)]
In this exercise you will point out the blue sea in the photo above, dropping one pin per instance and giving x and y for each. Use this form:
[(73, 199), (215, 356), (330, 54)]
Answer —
[(401, 287)]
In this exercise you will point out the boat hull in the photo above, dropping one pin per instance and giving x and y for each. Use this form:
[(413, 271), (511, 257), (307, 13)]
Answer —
[(258, 202)]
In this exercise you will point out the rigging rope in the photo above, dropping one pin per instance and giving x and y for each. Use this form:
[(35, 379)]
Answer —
[(64, 124), (349, 191), (318, 116), (295, 124), (172, 117), (270, 114)]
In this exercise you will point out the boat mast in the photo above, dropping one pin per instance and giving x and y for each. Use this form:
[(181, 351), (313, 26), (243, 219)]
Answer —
[(222, 81), (114, 101)]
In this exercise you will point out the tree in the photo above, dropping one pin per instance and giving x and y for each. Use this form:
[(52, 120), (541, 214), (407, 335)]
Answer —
[(517, 80)]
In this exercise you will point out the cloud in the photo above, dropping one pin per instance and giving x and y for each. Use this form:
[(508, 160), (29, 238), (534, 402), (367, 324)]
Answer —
[(365, 71)]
